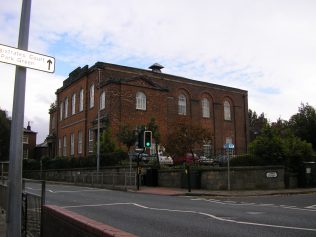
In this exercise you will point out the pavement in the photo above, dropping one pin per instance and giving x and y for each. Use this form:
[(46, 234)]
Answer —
[(194, 192)]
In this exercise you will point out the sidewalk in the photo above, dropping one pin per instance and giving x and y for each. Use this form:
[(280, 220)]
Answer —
[(224, 193)]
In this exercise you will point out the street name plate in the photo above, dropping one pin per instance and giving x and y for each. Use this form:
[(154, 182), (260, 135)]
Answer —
[(272, 174), (26, 59)]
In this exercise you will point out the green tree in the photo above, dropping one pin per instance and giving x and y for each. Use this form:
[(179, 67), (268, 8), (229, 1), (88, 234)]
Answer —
[(107, 144), (5, 125), (186, 137), (127, 136), (303, 124), (154, 128), (268, 146), (256, 124)]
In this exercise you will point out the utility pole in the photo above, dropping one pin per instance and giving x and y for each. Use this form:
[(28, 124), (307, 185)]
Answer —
[(16, 145)]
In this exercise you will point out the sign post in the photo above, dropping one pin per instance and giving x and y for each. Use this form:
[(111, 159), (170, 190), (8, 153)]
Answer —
[(22, 59), (229, 147)]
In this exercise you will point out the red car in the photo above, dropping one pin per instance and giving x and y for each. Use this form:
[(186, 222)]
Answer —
[(188, 158)]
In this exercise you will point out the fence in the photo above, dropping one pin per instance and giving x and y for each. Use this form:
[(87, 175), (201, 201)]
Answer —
[(31, 208)]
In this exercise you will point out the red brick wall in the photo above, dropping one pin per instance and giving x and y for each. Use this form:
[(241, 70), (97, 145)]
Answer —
[(162, 91)]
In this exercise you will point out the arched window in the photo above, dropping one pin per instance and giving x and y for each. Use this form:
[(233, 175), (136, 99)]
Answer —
[(73, 104), (102, 100), (205, 108), (140, 101), (182, 105), (227, 110), (81, 100), (61, 110)]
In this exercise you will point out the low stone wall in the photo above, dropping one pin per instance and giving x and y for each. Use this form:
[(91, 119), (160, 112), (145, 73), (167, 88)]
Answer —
[(241, 178), (61, 222)]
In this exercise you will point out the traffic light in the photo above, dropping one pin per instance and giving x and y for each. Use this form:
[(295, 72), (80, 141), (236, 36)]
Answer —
[(147, 139)]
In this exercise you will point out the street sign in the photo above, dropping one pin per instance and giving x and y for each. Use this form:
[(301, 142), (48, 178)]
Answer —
[(26, 59)]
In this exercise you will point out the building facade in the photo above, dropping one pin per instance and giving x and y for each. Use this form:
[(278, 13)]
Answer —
[(29, 142), (129, 96)]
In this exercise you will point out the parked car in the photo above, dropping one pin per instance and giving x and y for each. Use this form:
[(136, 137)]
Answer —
[(165, 160), (207, 161), (188, 158)]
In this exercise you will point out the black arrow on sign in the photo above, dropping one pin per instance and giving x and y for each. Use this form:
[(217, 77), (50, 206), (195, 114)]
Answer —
[(49, 63)]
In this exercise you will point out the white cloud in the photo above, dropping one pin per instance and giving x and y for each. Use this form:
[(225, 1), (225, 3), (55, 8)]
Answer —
[(265, 47)]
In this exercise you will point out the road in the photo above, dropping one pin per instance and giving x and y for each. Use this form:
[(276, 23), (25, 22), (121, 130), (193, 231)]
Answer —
[(156, 215)]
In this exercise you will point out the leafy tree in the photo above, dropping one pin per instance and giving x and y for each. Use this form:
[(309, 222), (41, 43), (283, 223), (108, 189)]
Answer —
[(127, 136), (303, 124), (185, 137), (5, 125), (268, 146), (256, 123), (107, 144), (154, 128)]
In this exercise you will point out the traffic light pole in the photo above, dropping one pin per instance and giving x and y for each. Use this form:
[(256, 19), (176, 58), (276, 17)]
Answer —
[(16, 145)]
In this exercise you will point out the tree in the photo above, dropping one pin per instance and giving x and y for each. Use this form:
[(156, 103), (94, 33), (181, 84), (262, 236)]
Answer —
[(303, 124), (154, 128), (106, 142), (185, 137), (127, 136), (268, 147), (256, 123), (5, 125)]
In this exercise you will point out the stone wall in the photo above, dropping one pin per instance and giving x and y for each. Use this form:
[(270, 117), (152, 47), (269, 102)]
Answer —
[(241, 178)]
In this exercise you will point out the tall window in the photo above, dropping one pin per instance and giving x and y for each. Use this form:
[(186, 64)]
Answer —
[(25, 139), (140, 101), (90, 140), (73, 104), (102, 100), (61, 111), (205, 108), (79, 142), (65, 146), (227, 112), (229, 140), (66, 107), (59, 147), (182, 105), (81, 100), (72, 144), (91, 96)]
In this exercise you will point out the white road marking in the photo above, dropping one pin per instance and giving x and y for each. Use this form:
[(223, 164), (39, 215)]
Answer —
[(199, 213), (312, 207), (78, 191)]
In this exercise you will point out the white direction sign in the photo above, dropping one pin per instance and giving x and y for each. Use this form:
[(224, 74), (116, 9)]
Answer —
[(26, 59)]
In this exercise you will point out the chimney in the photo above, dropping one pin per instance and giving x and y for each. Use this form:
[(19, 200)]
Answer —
[(156, 67), (28, 126)]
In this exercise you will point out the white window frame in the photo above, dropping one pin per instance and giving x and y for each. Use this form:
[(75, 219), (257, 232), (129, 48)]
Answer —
[(227, 110), (65, 146), (102, 100), (72, 144), (229, 140), (61, 111), (66, 107), (73, 104), (182, 105), (90, 149), (25, 153), (81, 100), (25, 139), (80, 142), (91, 96), (206, 108), (141, 101), (59, 147)]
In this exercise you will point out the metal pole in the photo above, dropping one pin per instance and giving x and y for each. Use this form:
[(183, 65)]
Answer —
[(228, 170), (98, 138), (16, 145)]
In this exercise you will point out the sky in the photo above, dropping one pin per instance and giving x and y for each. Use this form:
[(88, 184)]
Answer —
[(266, 47)]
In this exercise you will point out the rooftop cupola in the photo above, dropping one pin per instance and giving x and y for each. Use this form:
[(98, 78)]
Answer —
[(156, 67)]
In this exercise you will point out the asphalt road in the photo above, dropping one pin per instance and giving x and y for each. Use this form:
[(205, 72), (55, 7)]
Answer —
[(155, 215)]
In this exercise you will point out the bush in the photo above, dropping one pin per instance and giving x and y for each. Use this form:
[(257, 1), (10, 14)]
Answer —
[(247, 160)]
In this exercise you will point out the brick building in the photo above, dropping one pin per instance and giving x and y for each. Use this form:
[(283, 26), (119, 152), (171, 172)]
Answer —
[(29, 142), (132, 96)]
